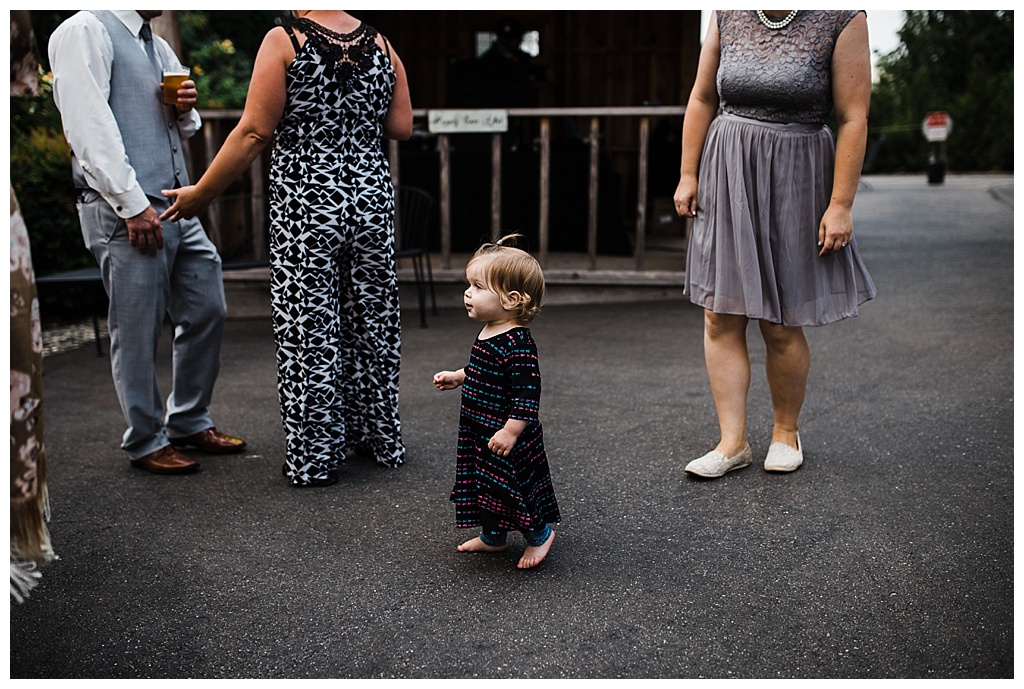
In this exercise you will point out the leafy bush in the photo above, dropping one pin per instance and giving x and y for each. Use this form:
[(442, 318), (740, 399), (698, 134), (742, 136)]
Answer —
[(960, 62), (41, 178), (220, 48)]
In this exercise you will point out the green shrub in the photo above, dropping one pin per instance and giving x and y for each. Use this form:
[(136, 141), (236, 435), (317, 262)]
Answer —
[(41, 178), (220, 48)]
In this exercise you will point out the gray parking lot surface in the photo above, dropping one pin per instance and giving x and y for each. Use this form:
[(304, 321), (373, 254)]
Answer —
[(889, 554)]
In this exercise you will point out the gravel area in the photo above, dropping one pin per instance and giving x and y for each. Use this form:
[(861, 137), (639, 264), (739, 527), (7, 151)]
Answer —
[(67, 337)]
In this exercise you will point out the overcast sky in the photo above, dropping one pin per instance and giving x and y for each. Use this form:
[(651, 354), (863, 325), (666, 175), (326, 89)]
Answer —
[(882, 28)]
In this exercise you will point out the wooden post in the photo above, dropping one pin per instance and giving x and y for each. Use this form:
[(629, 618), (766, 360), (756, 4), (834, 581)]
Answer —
[(393, 167), (444, 148), (393, 162), (168, 27), (641, 192), (214, 213), (592, 215), (545, 190), (257, 202), (495, 187)]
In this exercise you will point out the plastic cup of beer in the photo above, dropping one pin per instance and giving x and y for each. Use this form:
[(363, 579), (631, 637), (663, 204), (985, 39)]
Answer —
[(173, 79)]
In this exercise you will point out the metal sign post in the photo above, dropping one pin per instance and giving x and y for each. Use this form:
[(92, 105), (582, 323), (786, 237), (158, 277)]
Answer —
[(936, 128)]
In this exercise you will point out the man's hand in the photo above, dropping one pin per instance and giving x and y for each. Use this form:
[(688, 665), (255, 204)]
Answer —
[(187, 96), (145, 232)]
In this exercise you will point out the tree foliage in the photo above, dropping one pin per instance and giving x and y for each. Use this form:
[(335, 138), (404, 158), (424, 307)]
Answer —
[(41, 178), (220, 47), (960, 62)]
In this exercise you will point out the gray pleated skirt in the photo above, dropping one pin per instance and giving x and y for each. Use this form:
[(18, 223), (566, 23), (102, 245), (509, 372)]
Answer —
[(762, 190)]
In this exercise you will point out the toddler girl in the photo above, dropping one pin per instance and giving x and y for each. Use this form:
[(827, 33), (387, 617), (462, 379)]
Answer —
[(502, 480)]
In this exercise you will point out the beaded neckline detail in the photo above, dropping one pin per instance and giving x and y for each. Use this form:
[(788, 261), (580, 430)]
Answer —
[(348, 53), (308, 25), (779, 24)]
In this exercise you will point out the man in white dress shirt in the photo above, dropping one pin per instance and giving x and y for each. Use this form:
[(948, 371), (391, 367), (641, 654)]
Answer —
[(126, 149)]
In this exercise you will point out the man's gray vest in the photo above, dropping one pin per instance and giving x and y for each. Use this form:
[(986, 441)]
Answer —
[(149, 128)]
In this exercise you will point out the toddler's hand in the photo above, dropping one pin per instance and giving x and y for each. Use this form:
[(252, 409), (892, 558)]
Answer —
[(502, 442), (446, 380)]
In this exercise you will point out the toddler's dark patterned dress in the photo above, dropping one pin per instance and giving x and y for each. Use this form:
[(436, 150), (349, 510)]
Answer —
[(334, 291), (502, 382)]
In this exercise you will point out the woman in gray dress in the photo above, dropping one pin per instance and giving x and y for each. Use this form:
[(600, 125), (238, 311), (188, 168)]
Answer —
[(771, 193)]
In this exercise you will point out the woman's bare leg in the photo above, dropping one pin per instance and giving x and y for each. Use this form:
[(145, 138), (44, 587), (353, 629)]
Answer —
[(787, 364), (728, 362)]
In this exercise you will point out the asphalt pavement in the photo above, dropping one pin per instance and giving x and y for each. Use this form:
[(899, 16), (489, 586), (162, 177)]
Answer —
[(889, 554)]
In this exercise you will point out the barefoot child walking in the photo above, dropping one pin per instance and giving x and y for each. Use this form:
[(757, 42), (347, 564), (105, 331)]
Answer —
[(502, 480)]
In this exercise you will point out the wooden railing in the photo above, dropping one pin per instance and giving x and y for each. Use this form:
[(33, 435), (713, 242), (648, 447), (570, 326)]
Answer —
[(638, 270)]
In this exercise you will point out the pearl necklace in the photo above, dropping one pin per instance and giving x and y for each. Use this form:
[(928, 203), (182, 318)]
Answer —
[(776, 25)]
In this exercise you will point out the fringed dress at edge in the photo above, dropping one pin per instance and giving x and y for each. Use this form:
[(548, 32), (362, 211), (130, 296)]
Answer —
[(765, 180), (502, 382), (30, 506)]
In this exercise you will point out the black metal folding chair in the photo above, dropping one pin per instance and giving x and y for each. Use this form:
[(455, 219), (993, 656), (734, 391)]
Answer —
[(414, 213)]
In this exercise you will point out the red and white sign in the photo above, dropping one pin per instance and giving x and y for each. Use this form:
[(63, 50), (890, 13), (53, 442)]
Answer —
[(937, 126)]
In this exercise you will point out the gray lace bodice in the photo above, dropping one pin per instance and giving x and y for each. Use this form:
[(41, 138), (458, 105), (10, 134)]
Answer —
[(778, 75)]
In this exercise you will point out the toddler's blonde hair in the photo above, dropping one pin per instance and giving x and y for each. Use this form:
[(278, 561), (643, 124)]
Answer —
[(508, 269)]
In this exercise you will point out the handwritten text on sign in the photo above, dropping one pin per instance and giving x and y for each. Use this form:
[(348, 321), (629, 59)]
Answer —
[(462, 121)]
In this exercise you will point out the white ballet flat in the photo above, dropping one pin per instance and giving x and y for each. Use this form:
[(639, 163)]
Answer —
[(781, 457), (715, 463)]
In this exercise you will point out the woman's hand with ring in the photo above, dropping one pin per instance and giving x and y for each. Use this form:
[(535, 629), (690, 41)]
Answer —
[(685, 198), (835, 231)]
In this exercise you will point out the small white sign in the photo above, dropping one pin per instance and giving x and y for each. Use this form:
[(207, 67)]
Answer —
[(463, 121), (937, 126)]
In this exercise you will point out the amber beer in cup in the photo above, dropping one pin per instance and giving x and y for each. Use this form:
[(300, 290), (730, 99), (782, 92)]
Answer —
[(173, 78)]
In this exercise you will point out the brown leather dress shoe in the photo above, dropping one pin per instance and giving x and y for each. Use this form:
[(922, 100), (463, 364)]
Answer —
[(212, 441), (166, 460)]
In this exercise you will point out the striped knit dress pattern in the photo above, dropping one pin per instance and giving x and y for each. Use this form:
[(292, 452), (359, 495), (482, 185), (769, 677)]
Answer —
[(502, 382)]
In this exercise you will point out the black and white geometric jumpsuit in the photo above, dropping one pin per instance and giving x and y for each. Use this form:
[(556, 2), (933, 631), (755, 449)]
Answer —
[(334, 292)]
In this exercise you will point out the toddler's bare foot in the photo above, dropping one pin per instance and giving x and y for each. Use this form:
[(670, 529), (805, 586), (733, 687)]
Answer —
[(475, 545), (534, 555)]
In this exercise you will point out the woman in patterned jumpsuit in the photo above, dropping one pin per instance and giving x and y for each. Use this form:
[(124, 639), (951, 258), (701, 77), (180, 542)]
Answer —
[(327, 88)]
